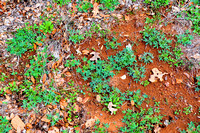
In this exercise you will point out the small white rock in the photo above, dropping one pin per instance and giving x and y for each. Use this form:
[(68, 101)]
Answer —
[(123, 77)]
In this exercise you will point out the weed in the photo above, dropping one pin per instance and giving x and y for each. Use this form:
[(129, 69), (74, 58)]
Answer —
[(13, 87), (122, 59), (24, 39), (46, 27), (145, 83), (193, 15), (177, 112), (198, 84), (5, 126), (54, 118), (156, 3), (101, 128), (136, 72), (141, 121), (62, 2), (37, 65), (3, 77), (84, 6), (112, 44), (108, 4), (146, 57), (192, 128), (75, 36), (184, 39), (187, 110)]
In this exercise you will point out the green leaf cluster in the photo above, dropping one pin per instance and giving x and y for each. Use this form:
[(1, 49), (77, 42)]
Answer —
[(112, 44), (24, 39), (5, 126)]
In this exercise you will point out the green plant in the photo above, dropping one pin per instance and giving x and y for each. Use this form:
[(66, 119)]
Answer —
[(146, 57), (5, 126), (101, 128), (84, 6), (13, 87), (54, 118), (37, 65), (75, 36), (3, 77), (145, 83), (192, 128), (62, 2), (24, 39), (108, 4), (184, 39), (193, 15), (156, 3), (36, 96), (141, 121), (112, 44), (136, 72), (177, 112), (187, 110), (123, 59), (197, 88), (46, 27)]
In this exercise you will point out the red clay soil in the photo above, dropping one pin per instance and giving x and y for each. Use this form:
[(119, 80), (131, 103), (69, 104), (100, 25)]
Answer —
[(171, 95)]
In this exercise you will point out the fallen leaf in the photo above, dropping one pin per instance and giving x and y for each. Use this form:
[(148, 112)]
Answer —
[(157, 129), (44, 118), (90, 123), (98, 98), (44, 78), (95, 9), (17, 123), (33, 79), (110, 107), (85, 100), (63, 104), (178, 81), (85, 52), (95, 56), (156, 74), (68, 74)]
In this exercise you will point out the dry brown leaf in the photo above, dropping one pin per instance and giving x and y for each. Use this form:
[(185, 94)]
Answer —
[(35, 47), (44, 78), (85, 52), (17, 123), (95, 9), (156, 74), (95, 56), (157, 129), (44, 118), (110, 107), (178, 81), (33, 79), (63, 104), (90, 123)]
